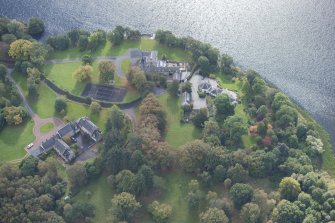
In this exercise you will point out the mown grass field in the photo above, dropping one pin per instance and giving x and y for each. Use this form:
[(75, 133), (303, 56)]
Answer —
[(47, 127), (177, 133), (174, 195), (62, 75), (109, 50), (13, 140), (44, 104)]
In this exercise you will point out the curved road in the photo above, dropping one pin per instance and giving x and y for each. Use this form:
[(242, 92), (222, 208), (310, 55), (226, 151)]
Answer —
[(38, 122)]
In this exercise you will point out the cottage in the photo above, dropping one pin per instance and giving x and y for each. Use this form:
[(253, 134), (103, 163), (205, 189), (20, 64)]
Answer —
[(73, 130)]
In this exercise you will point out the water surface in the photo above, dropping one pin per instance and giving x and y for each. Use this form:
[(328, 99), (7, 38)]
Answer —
[(290, 42)]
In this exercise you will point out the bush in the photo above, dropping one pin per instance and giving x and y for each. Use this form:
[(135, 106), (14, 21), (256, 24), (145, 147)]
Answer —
[(87, 59), (60, 105), (95, 107)]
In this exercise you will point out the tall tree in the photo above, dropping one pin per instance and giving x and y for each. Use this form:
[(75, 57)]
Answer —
[(124, 206), (223, 106), (35, 27)]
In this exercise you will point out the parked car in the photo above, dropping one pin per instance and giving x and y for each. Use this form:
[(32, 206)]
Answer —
[(30, 145)]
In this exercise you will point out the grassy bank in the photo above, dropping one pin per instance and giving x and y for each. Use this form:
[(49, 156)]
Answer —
[(109, 50), (177, 133), (13, 140)]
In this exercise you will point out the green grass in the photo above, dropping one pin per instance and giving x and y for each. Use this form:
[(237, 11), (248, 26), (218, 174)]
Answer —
[(100, 198), (125, 65), (226, 82), (13, 140), (44, 105), (131, 95), (108, 50), (177, 133), (62, 75), (47, 127), (177, 189)]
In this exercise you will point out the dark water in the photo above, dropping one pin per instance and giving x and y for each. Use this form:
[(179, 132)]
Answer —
[(290, 42)]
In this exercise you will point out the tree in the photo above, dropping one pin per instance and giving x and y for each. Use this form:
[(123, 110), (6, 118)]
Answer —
[(187, 87), (314, 146), (211, 132), (60, 105), (74, 36), (87, 59), (124, 206), (28, 166), (83, 42), (250, 213), (148, 177), (279, 100), (241, 194), (95, 107), (200, 118), (236, 128), (214, 215), (204, 65), (261, 128), (192, 156), (96, 39), (223, 107), (107, 71), (160, 212), (225, 64), (59, 42), (3, 72), (125, 181), (16, 28), (173, 88), (289, 188), (116, 37), (8, 38), (78, 211), (77, 175), (287, 212), (194, 195), (237, 173), (83, 73), (35, 27), (14, 115), (116, 119), (20, 49), (38, 53)]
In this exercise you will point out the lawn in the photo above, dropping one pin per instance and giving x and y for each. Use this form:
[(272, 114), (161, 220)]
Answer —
[(13, 140), (125, 65), (44, 104), (62, 75), (109, 50), (177, 133), (176, 191), (47, 127), (101, 195)]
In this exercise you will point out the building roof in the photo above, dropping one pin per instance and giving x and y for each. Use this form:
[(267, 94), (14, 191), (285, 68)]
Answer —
[(89, 127), (66, 130), (49, 143)]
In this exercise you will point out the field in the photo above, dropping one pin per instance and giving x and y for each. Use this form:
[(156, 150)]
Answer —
[(109, 50), (13, 140), (46, 128), (177, 133), (62, 75), (44, 105), (176, 190)]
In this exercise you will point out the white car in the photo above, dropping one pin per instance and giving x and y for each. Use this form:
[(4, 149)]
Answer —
[(30, 145)]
